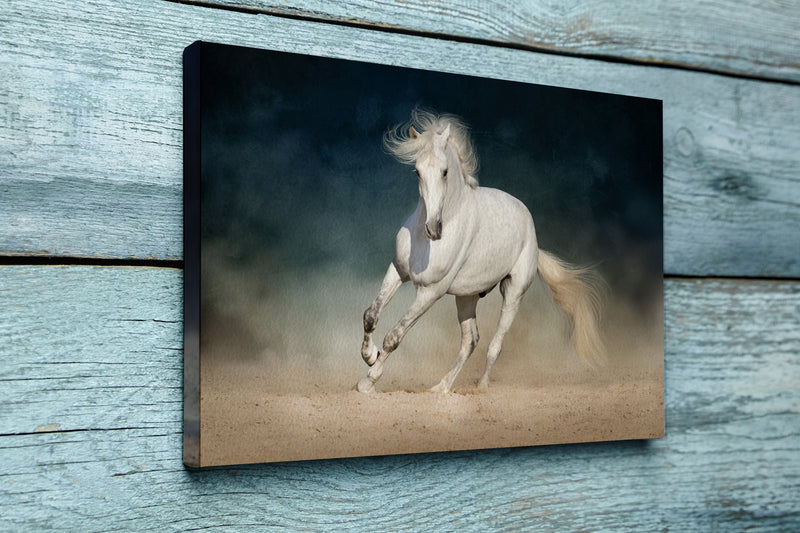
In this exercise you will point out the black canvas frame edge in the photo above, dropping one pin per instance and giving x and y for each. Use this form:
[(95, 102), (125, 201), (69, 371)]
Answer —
[(192, 140)]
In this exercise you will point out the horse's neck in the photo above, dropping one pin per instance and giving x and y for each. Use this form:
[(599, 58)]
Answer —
[(458, 191)]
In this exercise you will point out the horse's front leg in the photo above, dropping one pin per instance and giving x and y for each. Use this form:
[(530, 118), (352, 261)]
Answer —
[(391, 282), (424, 299)]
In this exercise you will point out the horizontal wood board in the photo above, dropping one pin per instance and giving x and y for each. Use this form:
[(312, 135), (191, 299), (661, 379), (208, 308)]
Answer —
[(91, 358), (90, 430), (744, 38), (92, 130)]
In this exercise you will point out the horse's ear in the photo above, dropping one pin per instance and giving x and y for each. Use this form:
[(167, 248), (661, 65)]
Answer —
[(440, 139), (413, 133)]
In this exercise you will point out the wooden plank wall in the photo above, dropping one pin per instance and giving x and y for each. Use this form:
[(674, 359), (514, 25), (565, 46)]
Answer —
[(91, 280)]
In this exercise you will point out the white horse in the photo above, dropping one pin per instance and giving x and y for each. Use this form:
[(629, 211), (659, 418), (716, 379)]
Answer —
[(465, 240)]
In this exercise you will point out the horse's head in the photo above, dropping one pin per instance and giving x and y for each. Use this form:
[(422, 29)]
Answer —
[(432, 171), (443, 158)]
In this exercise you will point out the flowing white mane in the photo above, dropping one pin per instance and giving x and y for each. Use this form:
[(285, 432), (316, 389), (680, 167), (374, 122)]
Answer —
[(407, 149)]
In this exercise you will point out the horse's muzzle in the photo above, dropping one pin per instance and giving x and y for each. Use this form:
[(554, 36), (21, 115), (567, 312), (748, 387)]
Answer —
[(433, 230)]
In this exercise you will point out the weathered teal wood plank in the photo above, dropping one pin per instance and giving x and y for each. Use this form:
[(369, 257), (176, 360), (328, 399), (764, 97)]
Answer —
[(99, 481), (749, 38), (102, 354), (71, 215), (90, 429), (91, 159)]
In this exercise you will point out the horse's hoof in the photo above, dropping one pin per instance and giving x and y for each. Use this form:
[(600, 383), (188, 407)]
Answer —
[(366, 385), (440, 388), (483, 386), (370, 357)]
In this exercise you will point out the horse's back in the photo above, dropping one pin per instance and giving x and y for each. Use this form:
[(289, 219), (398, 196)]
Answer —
[(502, 202), (503, 218)]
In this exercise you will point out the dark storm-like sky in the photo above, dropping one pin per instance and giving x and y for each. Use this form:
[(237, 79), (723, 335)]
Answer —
[(294, 174)]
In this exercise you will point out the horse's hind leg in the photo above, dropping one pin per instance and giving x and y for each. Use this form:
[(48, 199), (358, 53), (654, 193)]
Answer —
[(469, 339), (512, 296), (391, 282)]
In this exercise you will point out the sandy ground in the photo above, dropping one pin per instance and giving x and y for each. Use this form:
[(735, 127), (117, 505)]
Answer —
[(277, 380), (265, 412), (262, 427)]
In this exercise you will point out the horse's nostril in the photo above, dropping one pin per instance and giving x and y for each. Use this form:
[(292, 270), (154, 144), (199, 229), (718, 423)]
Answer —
[(434, 231)]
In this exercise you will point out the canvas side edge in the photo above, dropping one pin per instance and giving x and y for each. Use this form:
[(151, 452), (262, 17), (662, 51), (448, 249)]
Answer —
[(192, 100)]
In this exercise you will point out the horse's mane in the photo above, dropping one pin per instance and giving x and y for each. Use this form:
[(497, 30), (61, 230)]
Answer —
[(407, 149)]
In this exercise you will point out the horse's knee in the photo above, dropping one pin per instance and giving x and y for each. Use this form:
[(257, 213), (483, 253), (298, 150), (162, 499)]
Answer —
[(370, 319)]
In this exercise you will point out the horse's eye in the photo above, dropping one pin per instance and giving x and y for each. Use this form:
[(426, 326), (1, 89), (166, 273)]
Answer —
[(444, 174)]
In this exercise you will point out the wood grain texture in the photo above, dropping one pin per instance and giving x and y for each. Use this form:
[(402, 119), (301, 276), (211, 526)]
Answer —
[(91, 358), (90, 430), (91, 132), (748, 38)]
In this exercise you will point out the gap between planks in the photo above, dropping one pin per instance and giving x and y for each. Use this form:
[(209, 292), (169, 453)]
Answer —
[(54, 260), (308, 16), (41, 260)]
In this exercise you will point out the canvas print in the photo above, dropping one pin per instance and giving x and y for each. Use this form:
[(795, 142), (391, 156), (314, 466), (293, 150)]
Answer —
[(383, 260)]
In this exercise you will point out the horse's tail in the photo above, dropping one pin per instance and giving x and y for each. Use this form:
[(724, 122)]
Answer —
[(577, 292)]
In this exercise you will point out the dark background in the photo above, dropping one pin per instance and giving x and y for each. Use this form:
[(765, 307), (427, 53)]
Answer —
[(294, 177)]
